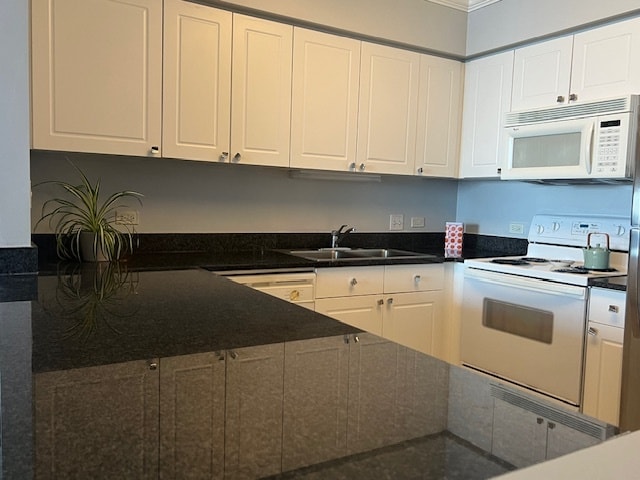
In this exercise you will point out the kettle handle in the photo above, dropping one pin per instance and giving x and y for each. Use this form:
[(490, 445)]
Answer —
[(606, 235)]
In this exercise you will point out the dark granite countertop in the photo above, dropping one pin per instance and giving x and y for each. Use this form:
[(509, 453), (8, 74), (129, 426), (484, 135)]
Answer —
[(612, 283)]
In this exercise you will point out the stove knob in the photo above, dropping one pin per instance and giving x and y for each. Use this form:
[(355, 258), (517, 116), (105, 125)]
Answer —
[(620, 230), (539, 229), (556, 226)]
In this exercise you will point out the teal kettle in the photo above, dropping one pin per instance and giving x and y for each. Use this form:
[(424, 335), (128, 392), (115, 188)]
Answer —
[(596, 258)]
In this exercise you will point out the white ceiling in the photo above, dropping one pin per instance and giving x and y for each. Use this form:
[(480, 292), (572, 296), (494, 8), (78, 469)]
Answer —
[(465, 5)]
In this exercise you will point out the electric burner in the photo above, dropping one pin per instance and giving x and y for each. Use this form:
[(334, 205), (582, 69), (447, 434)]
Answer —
[(603, 270), (580, 271), (534, 259), (510, 261)]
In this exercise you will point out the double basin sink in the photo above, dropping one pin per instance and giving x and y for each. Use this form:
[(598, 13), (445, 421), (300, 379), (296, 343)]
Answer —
[(332, 254)]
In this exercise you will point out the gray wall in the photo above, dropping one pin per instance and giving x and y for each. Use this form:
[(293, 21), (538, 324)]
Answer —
[(14, 124), (183, 196), (513, 21)]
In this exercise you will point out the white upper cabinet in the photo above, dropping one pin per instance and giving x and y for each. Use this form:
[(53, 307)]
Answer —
[(605, 61), (439, 117), (388, 111), (326, 72), (487, 96), (590, 65), (541, 74), (97, 76), (261, 92), (197, 81)]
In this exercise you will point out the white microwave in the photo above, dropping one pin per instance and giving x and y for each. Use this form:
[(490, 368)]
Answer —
[(588, 141)]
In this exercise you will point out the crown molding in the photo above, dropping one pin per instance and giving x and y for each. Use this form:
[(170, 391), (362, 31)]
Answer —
[(464, 5)]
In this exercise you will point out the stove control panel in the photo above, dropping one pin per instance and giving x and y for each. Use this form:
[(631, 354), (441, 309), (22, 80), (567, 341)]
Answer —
[(573, 230)]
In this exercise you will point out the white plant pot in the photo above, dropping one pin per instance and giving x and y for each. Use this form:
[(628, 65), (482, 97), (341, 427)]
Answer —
[(86, 249)]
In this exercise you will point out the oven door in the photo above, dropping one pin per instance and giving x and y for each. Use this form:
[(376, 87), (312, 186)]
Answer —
[(525, 330)]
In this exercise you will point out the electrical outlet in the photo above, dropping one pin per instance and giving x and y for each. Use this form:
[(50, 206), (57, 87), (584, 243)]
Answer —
[(417, 222), (396, 221), (127, 217), (517, 228)]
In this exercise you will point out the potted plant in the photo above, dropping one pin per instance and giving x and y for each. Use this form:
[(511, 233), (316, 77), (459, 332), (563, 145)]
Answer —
[(86, 228)]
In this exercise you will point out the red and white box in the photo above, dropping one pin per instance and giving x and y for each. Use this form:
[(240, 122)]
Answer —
[(454, 232)]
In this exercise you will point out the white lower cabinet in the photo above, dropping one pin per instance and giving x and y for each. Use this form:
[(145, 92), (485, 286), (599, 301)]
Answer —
[(402, 303), (523, 438), (603, 361), (81, 413)]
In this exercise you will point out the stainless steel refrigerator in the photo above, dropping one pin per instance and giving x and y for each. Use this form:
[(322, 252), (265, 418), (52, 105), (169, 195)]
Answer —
[(630, 395)]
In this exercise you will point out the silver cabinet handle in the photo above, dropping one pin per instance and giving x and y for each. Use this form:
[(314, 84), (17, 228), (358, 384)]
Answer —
[(362, 167), (573, 97), (237, 157), (155, 150), (560, 99), (592, 331), (390, 301), (153, 366), (233, 354), (380, 302), (224, 156), (417, 278), (353, 282), (352, 166), (356, 338), (614, 309)]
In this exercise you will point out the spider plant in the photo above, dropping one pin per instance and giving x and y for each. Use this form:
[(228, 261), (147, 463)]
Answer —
[(80, 212)]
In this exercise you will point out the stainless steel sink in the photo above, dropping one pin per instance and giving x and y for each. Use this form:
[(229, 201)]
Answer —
[(328, 254)]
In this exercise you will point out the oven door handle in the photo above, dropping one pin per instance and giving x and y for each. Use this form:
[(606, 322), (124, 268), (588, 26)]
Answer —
[(525, 283)]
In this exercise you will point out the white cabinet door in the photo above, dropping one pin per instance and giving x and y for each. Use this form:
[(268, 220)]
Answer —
[(261, 92), (326, 72), (388, 109), (364, 312), (413, 320), (439, 117), (487, 96), (97, 76), (316, 376), (541, 74), (603, 372), (197, 81), (605, 61), (80, 413), (192, 416), (253, 428)]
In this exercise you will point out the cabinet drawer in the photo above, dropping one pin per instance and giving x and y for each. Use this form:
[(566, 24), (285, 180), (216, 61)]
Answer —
[(413, 278), (346, 282), (607, 307), (292, 287)]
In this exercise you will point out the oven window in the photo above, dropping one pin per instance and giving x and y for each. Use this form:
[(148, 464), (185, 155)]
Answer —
[(522, 321)]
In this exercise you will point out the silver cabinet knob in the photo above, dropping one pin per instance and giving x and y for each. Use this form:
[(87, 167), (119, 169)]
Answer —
[(362, 167), (551, 425), (224, 156), (233, 354), (614, 309), (417, 278), (573, 97), (560, 99), (356, 338), (592, 331), (390, 301), (237, 157), (420, 170), (353, 282), (153, 366), (352, 166), (539, 420), (380, 302), (155, 150)]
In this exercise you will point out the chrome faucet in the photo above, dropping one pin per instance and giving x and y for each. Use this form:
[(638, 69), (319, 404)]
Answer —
[(338, 235)]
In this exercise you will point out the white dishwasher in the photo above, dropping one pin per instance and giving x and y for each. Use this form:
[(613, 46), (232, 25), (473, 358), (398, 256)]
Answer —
[(294, 287)]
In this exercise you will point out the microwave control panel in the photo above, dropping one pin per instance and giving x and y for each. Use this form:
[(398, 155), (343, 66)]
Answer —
[(610, 147)]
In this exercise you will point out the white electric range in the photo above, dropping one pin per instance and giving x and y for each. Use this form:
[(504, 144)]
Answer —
[(524, 318)]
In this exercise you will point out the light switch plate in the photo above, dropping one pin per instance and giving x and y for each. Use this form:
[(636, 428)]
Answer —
[(417, 222), (396, 221)]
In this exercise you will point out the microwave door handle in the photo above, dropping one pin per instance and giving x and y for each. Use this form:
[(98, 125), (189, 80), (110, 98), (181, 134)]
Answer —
[(589, 149)]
